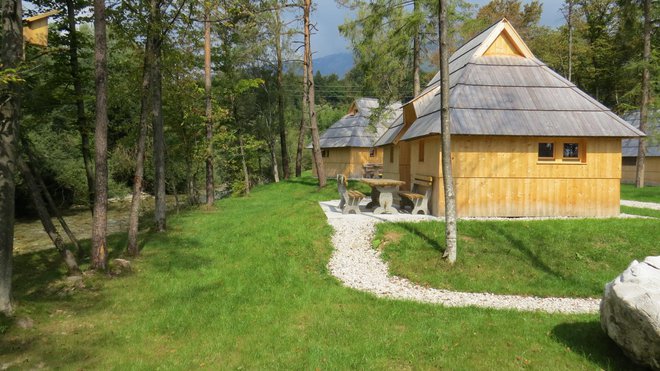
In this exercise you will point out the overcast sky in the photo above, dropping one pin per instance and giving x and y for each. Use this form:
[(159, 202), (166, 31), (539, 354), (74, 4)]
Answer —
[(328, 16)]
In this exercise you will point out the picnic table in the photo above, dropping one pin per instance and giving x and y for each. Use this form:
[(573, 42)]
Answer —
[(382, 194)]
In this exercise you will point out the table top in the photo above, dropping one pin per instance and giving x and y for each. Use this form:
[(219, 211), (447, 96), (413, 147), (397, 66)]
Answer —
[(377, 182)]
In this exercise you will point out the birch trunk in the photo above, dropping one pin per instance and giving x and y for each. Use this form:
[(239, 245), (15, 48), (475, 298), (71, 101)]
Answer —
[(448, 180), (158, 129)]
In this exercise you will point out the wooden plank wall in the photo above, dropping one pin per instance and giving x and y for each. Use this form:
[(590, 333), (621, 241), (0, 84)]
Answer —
[(348, 161), (652, 172), (500, 176)]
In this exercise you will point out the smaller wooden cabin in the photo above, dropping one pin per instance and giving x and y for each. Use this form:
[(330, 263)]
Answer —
[(525, 141), (630, 147), (348, 145)]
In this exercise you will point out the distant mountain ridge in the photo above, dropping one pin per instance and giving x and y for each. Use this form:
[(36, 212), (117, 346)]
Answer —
[(339, 64)]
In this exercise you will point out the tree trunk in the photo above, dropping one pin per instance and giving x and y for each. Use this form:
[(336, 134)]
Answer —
[(286, 171), (49, 199), (100, 219), (302, 127), (448, 180), (273, 159), (246, 174), (83, 126), (416, 48), (309, 71), (646, 93), (158, 133), (210, 188), (11, 53), (570, 39), (50, 229), (134, 216)]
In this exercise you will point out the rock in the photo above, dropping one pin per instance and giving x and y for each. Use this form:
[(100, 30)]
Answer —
[(630, 311), (25, 323), (120, 266)]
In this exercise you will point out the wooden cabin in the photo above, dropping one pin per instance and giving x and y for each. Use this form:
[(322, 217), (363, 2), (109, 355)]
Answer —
[(35, 30), (525, 141), (631, 146), (348, 145)]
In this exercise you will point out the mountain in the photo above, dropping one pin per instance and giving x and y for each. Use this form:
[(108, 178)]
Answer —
[(339, 64)]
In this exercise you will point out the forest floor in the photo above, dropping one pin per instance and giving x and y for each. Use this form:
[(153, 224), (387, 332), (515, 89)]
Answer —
[(246, 285)]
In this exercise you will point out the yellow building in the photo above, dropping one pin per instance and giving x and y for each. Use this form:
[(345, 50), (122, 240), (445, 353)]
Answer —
[(631, 146), (525, 141), (348, 145)]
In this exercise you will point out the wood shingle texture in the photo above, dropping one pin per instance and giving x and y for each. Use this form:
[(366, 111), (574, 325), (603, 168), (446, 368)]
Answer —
[(349, 143), (525, 141)]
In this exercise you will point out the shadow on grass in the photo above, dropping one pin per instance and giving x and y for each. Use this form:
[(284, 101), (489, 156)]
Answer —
[(589, 340), (430, 240)]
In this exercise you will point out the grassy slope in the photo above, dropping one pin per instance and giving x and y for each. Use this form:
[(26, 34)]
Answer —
[(545, 258), (246, 286), (646, 194)]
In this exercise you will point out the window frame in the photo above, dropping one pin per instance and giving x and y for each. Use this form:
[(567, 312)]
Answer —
[(558, 152), (420, 151), (373, 151), (325, 153)]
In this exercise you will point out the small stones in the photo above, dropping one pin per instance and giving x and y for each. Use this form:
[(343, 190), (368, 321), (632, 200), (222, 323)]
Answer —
[(358, 265), (25, 323)]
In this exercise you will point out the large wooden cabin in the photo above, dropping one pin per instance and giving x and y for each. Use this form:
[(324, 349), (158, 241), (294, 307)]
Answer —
[(525, 141)]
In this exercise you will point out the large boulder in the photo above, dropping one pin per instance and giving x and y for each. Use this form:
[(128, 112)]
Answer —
[(630, 311)]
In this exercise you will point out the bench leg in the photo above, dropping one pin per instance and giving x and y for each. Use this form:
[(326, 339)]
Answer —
[(353, 204), (421, 205)]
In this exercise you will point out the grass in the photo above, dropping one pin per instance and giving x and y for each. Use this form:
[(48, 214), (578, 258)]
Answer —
[(640, 211), (646, 194), (246, 286), (545, 258)]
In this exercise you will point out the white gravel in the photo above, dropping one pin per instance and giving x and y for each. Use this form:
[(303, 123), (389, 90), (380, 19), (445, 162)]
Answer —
[(359, 266), (643, 205)]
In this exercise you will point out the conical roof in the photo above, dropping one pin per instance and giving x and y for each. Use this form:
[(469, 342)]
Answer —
[(498, 87), (354, 129)]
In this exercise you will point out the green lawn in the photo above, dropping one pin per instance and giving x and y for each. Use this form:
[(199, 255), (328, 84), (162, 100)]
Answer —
[(569, 257), (640, 211), (646, 194), (246, 286)]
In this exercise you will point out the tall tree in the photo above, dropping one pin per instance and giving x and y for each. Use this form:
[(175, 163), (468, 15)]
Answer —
[(83, 125), (646, 93), (155, 13), (286, 170), (100, 217), (309, 91), (302, 127), (145, 109), (44, 215), (447, 178), (210, 188), (11, 54)]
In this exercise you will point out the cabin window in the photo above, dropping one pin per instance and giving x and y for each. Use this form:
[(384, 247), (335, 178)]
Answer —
[(571, 152), (325, 153), (562, 152), (372, 152), (629, 161), (546, 151), (391, 155), (421, 151)]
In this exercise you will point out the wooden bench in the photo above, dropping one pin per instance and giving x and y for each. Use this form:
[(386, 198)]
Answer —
[(419, 195), (350, 199)]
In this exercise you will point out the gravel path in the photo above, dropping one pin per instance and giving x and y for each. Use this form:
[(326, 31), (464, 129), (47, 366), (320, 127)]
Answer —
[(359, 266), (643, 205)]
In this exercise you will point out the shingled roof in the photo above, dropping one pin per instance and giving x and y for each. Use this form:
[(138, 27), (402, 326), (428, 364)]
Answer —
[(354, 129), (519, 95), (630, 147)]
